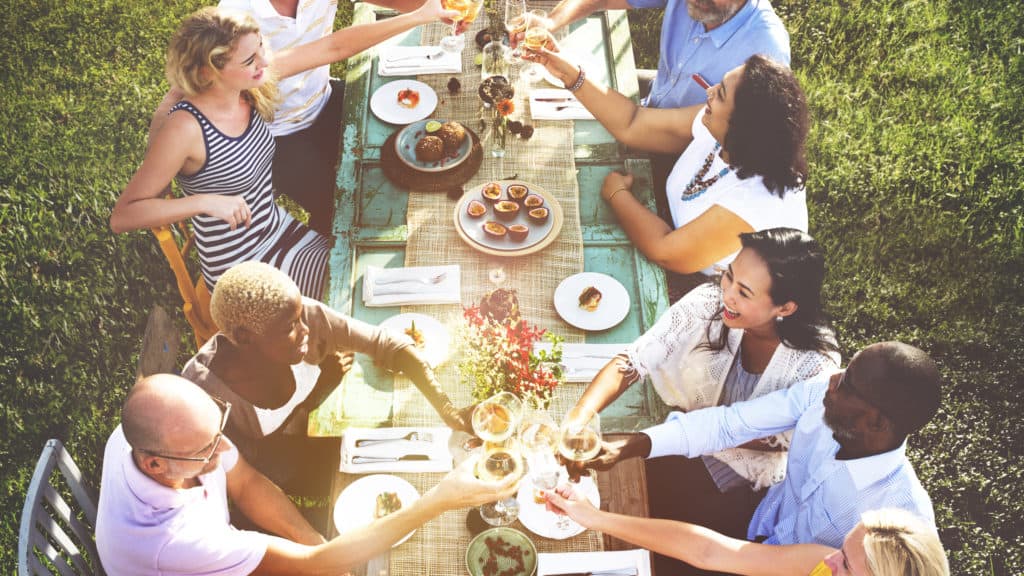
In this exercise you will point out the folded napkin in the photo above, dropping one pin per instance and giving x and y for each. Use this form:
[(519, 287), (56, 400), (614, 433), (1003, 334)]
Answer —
[(400, 286), (582, 562), (412, 60), (581, 362), (541, 107), (429, 450)]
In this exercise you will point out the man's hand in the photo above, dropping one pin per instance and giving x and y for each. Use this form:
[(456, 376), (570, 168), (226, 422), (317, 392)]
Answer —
[(611, 454), (462, 489), (566, 500)]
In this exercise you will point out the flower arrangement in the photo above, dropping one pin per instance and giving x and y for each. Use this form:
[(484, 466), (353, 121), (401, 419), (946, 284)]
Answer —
[(499, 356), (497, 93)]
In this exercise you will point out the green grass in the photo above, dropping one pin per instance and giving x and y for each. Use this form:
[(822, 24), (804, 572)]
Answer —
[(916, 189)]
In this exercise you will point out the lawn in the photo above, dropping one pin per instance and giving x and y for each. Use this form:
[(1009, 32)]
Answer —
[(916, 189)]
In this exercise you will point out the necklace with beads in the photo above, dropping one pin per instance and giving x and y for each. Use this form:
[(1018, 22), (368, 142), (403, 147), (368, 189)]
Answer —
[(697, 186)]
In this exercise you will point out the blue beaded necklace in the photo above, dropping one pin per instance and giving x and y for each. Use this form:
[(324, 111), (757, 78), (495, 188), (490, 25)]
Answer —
[(696, 187)]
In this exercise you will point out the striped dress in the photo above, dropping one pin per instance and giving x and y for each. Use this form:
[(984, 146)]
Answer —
[(242, 166)]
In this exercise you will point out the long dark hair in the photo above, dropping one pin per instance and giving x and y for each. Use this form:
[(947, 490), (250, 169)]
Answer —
[(768, 125), (796, 264)]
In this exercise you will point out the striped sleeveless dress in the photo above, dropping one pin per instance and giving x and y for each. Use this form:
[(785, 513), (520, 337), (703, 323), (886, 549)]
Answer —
[(242, 167)]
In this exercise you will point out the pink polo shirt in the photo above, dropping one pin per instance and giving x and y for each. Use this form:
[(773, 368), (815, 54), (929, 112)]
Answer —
[(144, 527)]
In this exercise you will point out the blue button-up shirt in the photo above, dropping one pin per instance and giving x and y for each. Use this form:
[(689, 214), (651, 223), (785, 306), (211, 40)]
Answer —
[(821, 498), (686, 48)]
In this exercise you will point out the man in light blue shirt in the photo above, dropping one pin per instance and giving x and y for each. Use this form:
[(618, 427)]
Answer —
[(847, 454), (706, 37)]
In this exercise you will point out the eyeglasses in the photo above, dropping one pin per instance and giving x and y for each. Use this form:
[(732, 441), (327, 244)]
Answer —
[(225, 408)]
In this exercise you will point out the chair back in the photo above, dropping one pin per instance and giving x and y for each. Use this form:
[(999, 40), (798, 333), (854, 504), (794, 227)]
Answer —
[(56, 535), (176, 240)]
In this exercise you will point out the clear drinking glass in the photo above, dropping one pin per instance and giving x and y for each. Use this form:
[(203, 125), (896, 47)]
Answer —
[(499, 461), (496, 418), (580, 435), (468, 11), (515, 22), (538, 435), (534, 39)]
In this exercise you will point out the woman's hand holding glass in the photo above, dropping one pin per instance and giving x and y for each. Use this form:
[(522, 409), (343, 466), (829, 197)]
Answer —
[(466, 12), (495, 421), (568, 501)]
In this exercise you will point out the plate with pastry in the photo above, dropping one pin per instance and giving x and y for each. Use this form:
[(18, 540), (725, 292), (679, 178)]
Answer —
[(592, 301), (403, 101), (433, 145), (429, 336), (370, 498), (508, 218)]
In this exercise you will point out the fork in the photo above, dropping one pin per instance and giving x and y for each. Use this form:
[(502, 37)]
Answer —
[(413, 436), (432, 280), (428, 56)]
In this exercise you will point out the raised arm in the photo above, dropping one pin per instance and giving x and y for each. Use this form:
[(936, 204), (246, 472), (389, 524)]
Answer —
[(569, 11), (649, 129), (693, 544), (691, 248), (354, 39), (266, 505), (175, 146)]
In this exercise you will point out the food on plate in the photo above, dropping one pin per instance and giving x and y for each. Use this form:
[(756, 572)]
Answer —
[(495, 229), (517, 192), (432, 126), (506, 210), (533, 201), (408, 98), (416, 334), (476, 209), (492, 192), (498, 547), (387, 503), (429, 149), (518, 232), (500, 305), (590, 298), (453, 135), (538, 214)]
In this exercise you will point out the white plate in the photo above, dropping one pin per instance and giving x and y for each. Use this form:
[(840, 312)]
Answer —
[(357, 503), (435, 335), (384, 102), (473, 227), (542, 522), (610, 311)]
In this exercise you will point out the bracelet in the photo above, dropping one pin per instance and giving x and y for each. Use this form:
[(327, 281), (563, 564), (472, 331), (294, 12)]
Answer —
[(579, 80), (612, 195)]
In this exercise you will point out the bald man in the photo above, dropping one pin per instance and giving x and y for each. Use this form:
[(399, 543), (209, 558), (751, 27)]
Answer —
[(168, 472)]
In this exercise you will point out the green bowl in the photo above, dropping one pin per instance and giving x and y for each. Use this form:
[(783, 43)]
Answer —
[(484, 548)]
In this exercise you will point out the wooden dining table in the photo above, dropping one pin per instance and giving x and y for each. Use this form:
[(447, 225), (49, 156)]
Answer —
[(371, 228)]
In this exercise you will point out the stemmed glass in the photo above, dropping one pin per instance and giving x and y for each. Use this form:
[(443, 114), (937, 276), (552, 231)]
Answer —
[(579, 438), (538, 436), (534, 39), (515, 21), (468, 10), (495, 421)]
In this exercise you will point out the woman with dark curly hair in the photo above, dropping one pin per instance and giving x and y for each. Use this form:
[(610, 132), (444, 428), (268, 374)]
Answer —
[(741, 168)]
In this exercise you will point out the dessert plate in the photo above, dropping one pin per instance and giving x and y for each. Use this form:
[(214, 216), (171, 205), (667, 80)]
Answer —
[(357, 504), (408, 137), (435, 336), (612, 309), (540, 234), (384, 102)]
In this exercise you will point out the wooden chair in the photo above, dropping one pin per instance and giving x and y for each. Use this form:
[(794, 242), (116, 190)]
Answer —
[(176, 240), (56, 536)]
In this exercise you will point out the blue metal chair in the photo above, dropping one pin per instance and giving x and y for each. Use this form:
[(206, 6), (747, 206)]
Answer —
[(56, 535)]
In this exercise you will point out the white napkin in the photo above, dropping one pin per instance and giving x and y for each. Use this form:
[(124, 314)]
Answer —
[(572, 108), (436, 448), (404, 286), (414, 61), (570, 562), (581, 362)]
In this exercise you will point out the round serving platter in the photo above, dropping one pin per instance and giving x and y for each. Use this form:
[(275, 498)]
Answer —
[(540, 236), (408, 137)]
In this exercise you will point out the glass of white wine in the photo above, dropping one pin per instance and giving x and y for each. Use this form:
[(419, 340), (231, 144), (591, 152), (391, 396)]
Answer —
[(539, 436), (496, 418), (535, 38), (515, 22), (499, 461), (468, 11), (579, 437)]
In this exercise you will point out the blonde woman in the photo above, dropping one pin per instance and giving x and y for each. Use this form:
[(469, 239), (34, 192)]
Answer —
[(272, 359), (888, 542), (215, 142)]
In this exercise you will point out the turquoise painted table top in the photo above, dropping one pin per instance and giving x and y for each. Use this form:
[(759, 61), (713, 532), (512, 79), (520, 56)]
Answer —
[(369, 226)]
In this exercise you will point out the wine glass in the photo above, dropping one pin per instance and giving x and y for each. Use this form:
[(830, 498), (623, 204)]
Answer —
[(580, 435), (538, 435), (535, 38), (468, 10), (515, 22), (500, 460), (496, 418)]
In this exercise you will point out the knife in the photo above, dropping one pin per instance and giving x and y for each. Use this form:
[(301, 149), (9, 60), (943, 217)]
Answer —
[(630, 571), (376, 459), (566, 99)]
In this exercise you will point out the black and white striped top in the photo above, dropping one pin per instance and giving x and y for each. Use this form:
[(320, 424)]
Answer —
[(242, 166)]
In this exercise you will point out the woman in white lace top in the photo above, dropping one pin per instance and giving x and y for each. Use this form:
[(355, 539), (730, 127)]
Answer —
[(761, 329)]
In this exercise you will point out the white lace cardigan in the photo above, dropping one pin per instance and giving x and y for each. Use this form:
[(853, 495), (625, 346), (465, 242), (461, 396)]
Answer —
[(688, 376)]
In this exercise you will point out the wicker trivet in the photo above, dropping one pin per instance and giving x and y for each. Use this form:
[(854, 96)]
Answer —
[(412, 179)]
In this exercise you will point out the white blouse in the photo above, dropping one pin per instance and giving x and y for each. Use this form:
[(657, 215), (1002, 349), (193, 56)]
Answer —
[(306, 376), (747, 198)]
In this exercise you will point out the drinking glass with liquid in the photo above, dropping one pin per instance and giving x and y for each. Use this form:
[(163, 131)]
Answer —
[(500, 460), (580, 435)]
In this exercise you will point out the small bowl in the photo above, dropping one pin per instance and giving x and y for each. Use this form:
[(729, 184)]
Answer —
[(478, 552)]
